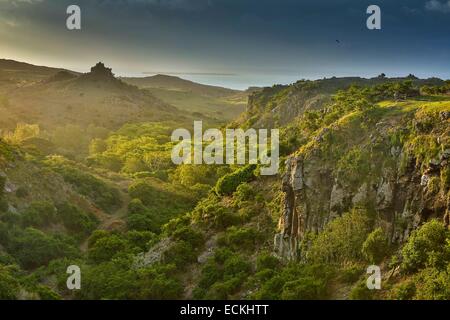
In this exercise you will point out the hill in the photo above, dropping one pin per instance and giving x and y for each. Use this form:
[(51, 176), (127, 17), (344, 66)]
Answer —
[(215, 102), (364, 180), (96, 98), (280, 104), (161, 81)]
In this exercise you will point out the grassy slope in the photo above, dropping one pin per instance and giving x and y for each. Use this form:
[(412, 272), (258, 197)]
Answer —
[(215, 102)]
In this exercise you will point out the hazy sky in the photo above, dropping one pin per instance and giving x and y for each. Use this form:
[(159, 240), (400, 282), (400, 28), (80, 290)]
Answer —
[(235, 43)]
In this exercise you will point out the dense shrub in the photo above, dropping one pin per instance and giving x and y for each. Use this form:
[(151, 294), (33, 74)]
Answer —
[(22, 192), (9, 286), (75, 220), (404, 290), (266, 260), (351, 273), (140, 239), (361, 292), (244, 192), (244, 238), (427, 247), (33, 248), (39, 214), (375, 248), (3, 202), (193, 237), (2, 185), (433, 284), (229, 183), (143, 191), (140, 218), (181, 254), (297, 282), (158, 283), (306, 288), (342, 239), (222, 275), (102, 194), (105, 248)]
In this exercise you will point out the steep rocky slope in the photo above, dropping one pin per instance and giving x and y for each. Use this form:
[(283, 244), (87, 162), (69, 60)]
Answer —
[(277, 106), (395, 162)]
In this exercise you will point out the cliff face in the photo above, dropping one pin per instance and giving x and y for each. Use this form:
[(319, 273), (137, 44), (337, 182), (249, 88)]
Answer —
[(360, 163)]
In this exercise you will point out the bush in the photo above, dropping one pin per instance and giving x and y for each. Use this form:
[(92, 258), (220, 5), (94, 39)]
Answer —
[(426, 247), (33, 248), (433, 284), (103, 195), (76, 220), (144, 221), (230, 182), (110, 280), (45, 293), (141, 239), (224, 217), (361, 292), (22, 192), (3, 204), (267, 261), (342, 240), (295, 281), (140, 218), (181, 254), (375, 247), (222, 275), (39, 214), (351, 273), (240, 239), (142, 191), (307, 288), (244, 192), (157, 283), (191, 236), (445, 178), (9, 286), (2, 185), (105, 248), (404, 290)]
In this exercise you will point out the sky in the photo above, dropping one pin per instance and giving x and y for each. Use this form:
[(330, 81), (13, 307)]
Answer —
[(232, 43)]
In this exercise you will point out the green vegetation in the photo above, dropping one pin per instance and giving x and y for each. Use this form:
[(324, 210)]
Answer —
[(230, 182), (103, 195), (427, 247), (98, 189), (342, 240)]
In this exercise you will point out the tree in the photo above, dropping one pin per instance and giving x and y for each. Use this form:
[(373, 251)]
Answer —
[(427, 247), (374, 249), (104, 249)]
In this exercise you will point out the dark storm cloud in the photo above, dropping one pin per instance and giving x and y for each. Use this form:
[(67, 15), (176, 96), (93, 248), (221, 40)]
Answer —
[(264, 40)]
